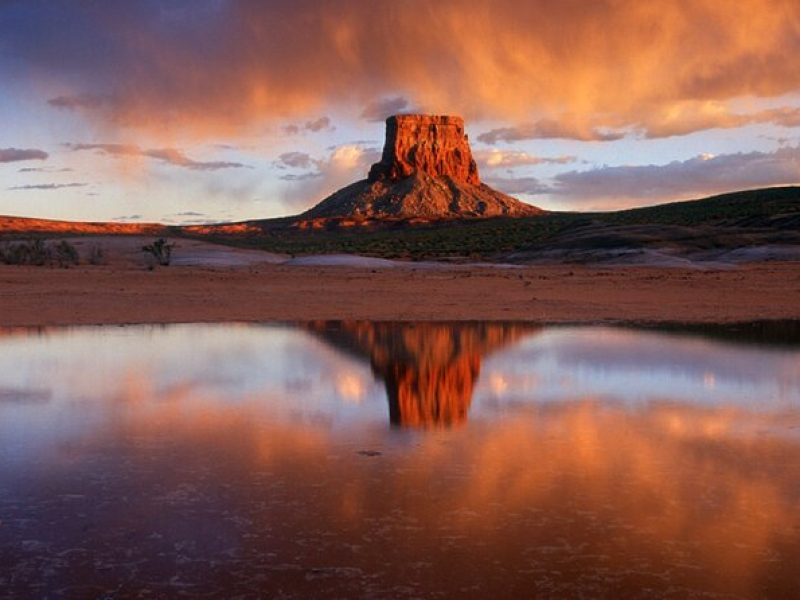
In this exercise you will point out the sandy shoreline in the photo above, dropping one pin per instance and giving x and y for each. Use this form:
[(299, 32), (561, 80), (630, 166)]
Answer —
[(112, 294)]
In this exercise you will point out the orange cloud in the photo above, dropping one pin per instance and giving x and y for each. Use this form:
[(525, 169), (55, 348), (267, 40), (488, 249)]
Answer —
[(233, 63)]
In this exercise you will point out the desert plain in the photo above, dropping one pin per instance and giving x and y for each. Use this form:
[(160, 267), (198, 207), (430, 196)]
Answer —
[(209, 282)]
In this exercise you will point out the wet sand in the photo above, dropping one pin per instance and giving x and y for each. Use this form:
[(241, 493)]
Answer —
[(125, 291)]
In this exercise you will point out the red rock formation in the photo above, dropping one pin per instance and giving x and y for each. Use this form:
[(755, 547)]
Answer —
[(429, 369), (436, 145), (426, 171)]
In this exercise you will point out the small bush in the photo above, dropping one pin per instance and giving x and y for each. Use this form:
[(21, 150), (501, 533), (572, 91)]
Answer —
[(97, 255), (160, 250), (66, 254), (32, 252)]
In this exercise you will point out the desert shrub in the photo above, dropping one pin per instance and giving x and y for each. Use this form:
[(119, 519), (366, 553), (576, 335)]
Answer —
[(32, 252), (160, 250), (97, 255), (39, 253), (66, 255)]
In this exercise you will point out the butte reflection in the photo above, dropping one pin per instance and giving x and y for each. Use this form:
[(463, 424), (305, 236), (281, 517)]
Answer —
[(430, 369)]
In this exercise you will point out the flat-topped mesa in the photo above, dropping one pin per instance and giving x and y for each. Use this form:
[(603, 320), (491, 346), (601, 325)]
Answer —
[(432, 144), (426, 173)]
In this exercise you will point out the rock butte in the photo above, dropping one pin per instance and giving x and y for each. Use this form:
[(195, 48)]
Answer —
[(429, 369), (426, 172)]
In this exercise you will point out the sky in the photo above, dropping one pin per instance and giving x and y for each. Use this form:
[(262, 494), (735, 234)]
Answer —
[(194, 111)]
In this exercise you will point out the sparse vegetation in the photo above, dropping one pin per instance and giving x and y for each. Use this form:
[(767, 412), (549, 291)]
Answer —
[(39, 252), (66, 255), (31, 252), (750, 217), (160, 250), (97, 255)]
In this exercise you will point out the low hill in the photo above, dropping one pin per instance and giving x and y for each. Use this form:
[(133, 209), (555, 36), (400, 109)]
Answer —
[(23, 226), (744, 222)]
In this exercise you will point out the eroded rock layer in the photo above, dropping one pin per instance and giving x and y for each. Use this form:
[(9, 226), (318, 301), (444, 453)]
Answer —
[(436, 145)]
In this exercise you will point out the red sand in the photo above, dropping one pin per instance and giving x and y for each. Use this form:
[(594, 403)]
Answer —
[(124, 291)]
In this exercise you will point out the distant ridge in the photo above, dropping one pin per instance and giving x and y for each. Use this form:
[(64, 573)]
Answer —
[(759, 223), (25, 225)]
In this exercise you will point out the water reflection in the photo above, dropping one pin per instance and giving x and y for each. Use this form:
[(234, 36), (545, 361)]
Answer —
[(256, 461), (429, 369)]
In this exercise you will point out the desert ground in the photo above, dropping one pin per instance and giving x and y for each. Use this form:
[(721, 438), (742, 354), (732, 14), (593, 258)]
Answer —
[(207, 282)]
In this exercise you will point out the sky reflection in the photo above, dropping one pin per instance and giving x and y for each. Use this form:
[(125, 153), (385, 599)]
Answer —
[(251, 459)]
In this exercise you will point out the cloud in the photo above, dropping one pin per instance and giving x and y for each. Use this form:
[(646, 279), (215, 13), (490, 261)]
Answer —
[(379, 110), (44, 170), (169, 156), (675, 119), (343, 165), (16, 154), (296, 160), (47, 186), (702, 175), (82, 101), (552, 129), (518, 185), (300, 176), (148, 65), (494, 158), (690, 117), (323, 123), (314, 126)]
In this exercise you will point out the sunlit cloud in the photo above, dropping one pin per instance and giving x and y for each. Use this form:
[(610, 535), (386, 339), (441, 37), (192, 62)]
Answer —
[(313, 126), (509, 159), (498, 60), (344, 164), (379, 110), (552, 129), (169, 156), (668, 120)]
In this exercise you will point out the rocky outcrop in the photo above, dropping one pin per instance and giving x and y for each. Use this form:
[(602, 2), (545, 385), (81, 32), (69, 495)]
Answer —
[(426, 171)]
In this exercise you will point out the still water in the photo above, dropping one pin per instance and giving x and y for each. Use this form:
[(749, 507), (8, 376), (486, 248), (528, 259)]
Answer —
[(386, 460)]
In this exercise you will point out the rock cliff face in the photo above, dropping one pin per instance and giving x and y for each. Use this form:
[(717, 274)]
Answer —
[(426, 172), (436, 145)]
